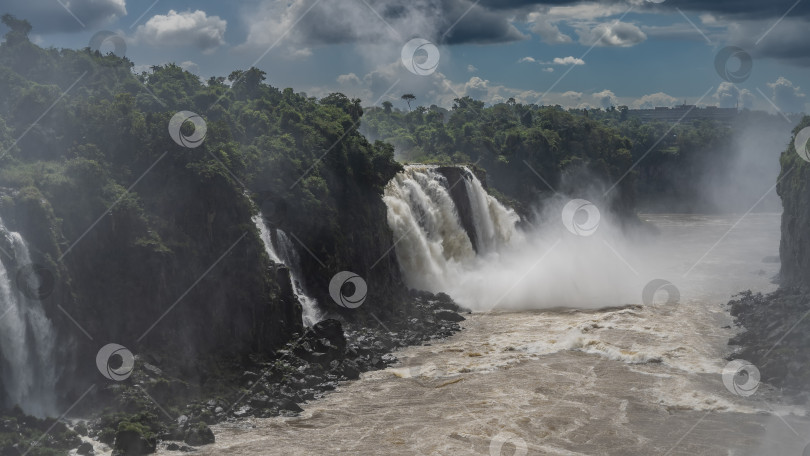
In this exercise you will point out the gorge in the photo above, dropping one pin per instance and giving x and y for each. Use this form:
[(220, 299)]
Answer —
[(212, 267)]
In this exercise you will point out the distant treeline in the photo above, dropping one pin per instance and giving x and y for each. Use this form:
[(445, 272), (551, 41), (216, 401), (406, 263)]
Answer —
[(671, 166)]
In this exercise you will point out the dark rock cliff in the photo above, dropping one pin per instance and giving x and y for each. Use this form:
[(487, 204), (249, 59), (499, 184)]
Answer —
[(456, 176), (794, 189), (776, 328)]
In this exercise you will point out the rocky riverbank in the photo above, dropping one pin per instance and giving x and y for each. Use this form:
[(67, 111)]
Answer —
[(154, 407), (776, 337)]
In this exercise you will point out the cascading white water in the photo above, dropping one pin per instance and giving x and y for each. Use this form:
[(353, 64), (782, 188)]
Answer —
[(264, 233), (28, 367), (288, 256), (494, 224), (544, 266), (433, 246)]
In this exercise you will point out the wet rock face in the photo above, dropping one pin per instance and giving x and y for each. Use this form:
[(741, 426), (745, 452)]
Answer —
[(795, 243), (794, 189), (776, 333), (130, 442), (199, 435), (455, 176)]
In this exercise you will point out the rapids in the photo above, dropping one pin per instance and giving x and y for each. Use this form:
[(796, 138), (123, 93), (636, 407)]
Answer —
[(629, 380)]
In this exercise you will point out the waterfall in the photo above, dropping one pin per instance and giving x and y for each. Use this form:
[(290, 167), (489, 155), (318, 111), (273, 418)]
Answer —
[(28, 368), (288, 256), (494, 224), (264, 233), (451, 236), (432, 245)]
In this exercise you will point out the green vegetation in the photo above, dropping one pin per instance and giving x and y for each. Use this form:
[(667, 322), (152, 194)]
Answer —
[(130, 222), (105, 129), (561, 147), (19, 432), (133, 225), (569, 148)]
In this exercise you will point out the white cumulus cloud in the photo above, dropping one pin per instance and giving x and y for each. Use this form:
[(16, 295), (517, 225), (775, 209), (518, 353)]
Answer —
[(618, 34), (570, 60), (189, 28), (788, 97), (729, 95), (605, 98), (655, 100)]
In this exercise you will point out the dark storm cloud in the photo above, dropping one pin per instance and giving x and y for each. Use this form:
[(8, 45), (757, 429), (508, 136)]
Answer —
[(50, 17), (752, 9), (448, 21), (479, 25), (490, 21), (741, 8)]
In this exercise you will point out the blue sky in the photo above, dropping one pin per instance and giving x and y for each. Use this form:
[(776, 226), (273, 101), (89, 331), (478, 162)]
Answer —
[(574, 53)]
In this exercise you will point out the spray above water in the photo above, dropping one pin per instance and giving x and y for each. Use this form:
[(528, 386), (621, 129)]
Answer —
[(505, 267)]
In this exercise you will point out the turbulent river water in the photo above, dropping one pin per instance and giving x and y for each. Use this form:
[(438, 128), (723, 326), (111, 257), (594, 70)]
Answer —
[(628, 380)]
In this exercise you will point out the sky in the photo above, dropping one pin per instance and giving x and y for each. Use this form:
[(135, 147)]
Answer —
[(640, 53)]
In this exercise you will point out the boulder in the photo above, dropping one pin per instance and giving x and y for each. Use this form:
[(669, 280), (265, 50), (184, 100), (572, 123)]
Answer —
[(447, 315), (131, 442), (199, 435)]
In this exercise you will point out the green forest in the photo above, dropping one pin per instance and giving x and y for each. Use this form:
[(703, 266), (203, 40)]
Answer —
[(515, 143), (126, 219)]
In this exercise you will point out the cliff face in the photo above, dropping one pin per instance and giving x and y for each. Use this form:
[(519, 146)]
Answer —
[(188, 291), (461, 199), (150, 242), (776, 333), (794, 189)]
